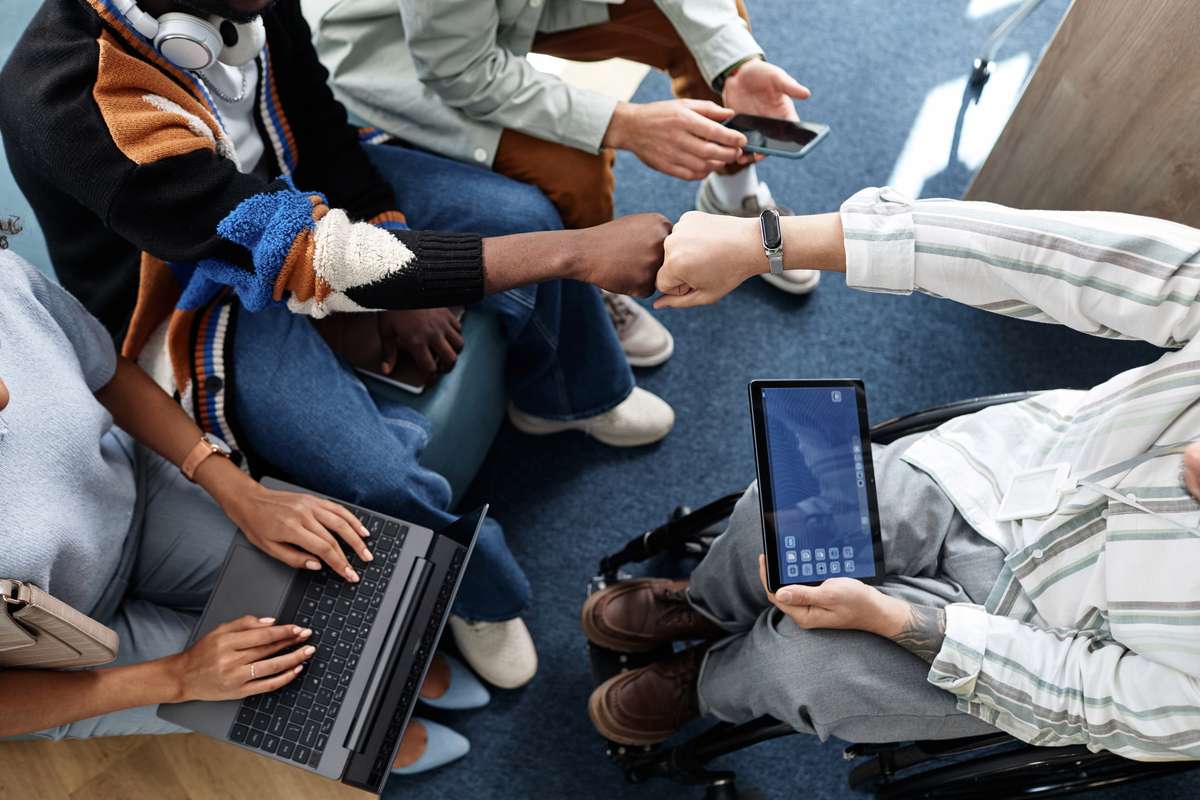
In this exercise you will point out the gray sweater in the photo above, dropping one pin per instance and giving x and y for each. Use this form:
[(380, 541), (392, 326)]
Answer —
[(67, 483)]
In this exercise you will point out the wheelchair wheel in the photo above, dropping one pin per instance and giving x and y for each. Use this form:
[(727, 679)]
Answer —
[(1027, 771)]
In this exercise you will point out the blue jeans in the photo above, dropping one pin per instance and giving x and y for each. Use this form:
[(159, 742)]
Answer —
[(304, 410)]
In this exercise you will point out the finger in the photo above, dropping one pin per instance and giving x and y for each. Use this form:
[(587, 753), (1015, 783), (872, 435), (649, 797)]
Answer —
[(792, 88), (292, 556), (762, 575), (275, 634), (456, 340), (321, 544), (710, 110), (690, 299), (266, 666), (246, 623), (456, 318), (391, 350), (345, 514), (270, 684), (703, 126), (720, 154), (348, 533), (446, 354), (424, 358)]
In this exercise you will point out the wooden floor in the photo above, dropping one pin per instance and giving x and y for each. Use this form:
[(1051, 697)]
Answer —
[(184, 766)]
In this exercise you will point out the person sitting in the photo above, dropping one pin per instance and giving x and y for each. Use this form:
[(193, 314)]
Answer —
[(452, 78), (105, 519), (205, 213), (1072, 628)]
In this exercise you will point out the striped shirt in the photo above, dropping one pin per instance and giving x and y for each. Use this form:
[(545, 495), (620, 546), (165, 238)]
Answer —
[(1092, 633)]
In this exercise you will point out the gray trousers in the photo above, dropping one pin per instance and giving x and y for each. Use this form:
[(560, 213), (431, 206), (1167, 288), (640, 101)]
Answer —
[(181, 547), (854, 685)]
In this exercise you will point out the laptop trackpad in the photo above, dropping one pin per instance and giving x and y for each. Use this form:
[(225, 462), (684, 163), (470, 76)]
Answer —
[(252, 583)]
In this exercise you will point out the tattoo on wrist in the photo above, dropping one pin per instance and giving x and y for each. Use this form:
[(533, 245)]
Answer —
[(923, 632)]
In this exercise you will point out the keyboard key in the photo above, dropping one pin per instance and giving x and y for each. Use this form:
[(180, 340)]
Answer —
[(252, 701), (375, 526), (351, 662), (288, 697), (317, 713), (308, 606), (375, 601), (309, 737), (238, 734), (269, 701), (302, 754), (254, 738), (391, 529), (362, 603), (357, 649), (334, 708), (368, 587), (338, 697), (322, 575), (337, 622), (314, 591), (330, 681), (344, 680), (388, 569), (325, 652), (344, 606), (292, 733), (321, 741), (311, 684), (303, 621), (262, 721), (299, 717), (394, 556), (370, 616), (305, 701), (350, 633), (285, 749), (270, 743), (246, 716), (279, 723), (325, 696), (327, 604), (321, 620), (343, 649), (337, 664), (327, 726), (373, 573), (317, 668), (332, 637), (314, 759)]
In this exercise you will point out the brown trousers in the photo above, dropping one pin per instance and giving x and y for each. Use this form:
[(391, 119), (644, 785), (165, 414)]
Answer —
[(581, 184)]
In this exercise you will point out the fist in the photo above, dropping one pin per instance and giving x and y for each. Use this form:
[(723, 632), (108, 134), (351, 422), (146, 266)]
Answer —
[(624, 256)]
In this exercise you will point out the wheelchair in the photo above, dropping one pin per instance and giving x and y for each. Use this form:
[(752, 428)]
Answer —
[(993, 766)]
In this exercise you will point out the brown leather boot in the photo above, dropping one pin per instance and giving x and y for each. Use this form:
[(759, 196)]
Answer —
[(636, 615), (650, 704)]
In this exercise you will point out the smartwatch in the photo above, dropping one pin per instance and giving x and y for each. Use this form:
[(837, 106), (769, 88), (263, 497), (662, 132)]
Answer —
[(207, 446), (772, 238)]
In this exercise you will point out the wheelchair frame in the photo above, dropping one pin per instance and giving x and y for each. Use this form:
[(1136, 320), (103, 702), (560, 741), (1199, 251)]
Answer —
[(1006, 768)]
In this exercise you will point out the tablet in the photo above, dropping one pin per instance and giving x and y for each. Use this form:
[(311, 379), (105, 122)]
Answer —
[(816, 483)]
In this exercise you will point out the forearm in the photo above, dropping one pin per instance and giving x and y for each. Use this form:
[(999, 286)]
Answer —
[(920, 630), (34, 700), (523, 259), (142, 409)]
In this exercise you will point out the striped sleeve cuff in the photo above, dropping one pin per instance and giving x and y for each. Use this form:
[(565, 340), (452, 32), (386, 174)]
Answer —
[(957, 665), (880, 241)]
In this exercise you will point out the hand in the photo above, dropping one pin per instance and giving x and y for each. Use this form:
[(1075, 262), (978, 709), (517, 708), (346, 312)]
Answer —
[(706, 257), (622, 256), (218, 666), (433, 336), (295, 527), (841, 603), (763, 89), (681, 138)]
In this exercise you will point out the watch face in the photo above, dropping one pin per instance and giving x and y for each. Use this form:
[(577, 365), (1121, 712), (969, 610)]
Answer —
[(218, 442), (772, 235)]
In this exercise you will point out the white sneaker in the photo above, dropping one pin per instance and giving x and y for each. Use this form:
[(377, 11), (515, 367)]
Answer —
[(643, 338), (792, 281), (639, 419), (502, 653)]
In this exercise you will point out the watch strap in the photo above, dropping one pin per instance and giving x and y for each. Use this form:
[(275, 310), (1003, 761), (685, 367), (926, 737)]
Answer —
[(196, 457), (776, 260)]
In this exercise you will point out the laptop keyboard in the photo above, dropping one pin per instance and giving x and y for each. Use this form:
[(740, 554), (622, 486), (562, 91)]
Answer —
[(294, 722)]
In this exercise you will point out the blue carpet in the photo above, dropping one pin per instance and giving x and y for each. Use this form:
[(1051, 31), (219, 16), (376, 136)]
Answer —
[(566, 500)]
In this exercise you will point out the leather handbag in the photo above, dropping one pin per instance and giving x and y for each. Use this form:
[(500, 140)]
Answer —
[(40, 632)]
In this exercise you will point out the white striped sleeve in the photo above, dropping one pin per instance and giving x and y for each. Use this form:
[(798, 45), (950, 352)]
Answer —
[(1055, 687), (1107, 274)]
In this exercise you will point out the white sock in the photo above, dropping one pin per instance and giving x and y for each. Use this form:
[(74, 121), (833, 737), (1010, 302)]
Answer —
[(732, 189)]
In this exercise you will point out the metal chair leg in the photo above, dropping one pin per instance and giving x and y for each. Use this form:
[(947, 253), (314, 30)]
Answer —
[(984, 64)]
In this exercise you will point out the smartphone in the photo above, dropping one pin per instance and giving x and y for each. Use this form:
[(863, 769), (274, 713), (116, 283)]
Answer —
[(778, 137)]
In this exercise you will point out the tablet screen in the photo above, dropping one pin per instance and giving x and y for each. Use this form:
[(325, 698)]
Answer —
[(819, 483)]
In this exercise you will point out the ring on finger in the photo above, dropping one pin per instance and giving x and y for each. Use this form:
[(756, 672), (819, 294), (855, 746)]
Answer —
[(253, 677)]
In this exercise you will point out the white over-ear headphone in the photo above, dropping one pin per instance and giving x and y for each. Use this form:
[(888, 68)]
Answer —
[(191, 42)]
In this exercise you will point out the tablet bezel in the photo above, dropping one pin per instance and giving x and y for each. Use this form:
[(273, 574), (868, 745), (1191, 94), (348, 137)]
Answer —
[(766, 498)]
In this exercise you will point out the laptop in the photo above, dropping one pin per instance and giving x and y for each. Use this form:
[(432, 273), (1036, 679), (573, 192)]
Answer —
[(343, 716)]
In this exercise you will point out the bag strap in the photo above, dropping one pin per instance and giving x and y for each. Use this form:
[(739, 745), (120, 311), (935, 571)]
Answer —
[(14, 592)]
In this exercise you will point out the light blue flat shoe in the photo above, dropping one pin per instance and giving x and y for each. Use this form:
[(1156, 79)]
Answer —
[(465, 690), (442, 746)]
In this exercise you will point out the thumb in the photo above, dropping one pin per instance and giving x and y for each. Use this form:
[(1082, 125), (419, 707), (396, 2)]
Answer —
[(707, 108), (797, 596), (792, 88)]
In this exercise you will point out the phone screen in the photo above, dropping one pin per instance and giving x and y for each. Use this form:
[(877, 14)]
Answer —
[(772, 133)]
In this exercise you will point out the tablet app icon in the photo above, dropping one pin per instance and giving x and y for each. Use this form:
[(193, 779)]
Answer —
[(792, 571), (821, 568), (808, 569), (820, 554), (806, 555), (835, 553), (789, 542), (835, 567), (836, 395), (849, 566), (791, 555)]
